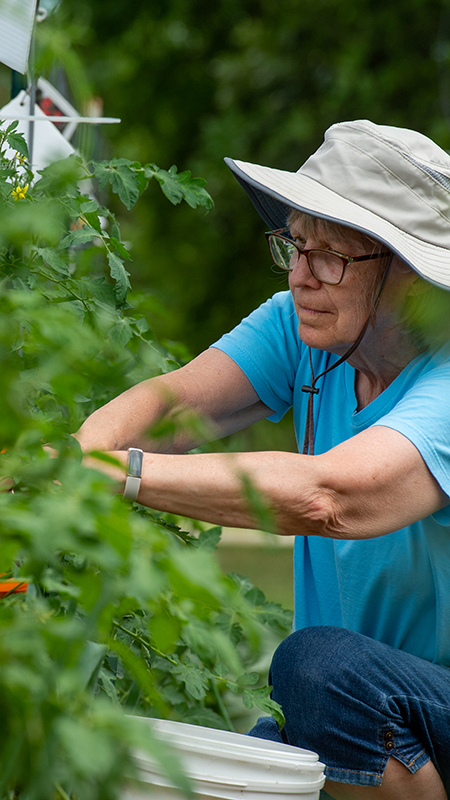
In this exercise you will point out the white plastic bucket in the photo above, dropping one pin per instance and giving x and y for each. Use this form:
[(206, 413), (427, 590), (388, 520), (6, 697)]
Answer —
[(229, 766)]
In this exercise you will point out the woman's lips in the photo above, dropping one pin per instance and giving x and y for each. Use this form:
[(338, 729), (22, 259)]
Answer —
[(311, 311)]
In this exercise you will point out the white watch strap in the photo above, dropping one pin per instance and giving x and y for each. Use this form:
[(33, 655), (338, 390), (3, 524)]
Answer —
[(133, 479), (131, 488)]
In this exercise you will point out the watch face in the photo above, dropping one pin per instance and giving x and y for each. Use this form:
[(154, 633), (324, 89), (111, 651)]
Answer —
[(135, 457)]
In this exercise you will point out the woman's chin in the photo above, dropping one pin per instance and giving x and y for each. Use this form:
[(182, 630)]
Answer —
[(314, 337), (323, 339)]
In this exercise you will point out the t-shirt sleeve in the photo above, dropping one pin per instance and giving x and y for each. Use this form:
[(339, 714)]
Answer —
[(423, 416), (266, 346)]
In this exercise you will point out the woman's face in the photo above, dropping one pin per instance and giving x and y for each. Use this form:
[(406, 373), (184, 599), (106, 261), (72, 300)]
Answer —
[(332, 317)]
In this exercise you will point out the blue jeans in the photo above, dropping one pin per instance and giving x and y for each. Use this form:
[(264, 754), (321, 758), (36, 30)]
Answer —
[(356, 702)]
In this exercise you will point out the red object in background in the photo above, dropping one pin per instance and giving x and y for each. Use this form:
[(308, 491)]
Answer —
[(49, 108)]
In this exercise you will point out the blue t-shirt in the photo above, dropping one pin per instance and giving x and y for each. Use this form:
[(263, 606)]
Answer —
[(394, 588)]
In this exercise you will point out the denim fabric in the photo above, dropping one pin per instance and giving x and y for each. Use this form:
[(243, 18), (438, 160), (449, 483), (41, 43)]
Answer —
[(356, 702)]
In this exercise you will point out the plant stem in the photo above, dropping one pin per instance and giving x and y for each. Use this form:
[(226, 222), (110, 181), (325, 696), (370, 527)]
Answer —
[(14, 589), (221, 705), (61, 791), (142, 641)]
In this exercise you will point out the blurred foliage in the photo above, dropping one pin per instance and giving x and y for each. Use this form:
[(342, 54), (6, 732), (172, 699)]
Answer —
[(195, 81), (124, 610)]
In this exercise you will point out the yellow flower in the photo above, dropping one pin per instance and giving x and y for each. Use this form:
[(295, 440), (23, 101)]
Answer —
[(19, 192)]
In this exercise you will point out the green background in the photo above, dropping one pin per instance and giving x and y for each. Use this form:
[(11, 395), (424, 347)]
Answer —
[(195, 81)]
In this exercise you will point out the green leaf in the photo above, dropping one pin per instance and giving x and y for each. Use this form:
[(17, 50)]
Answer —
[(106, 681), (142, 325), (102, 291), (165, 631), (138, 669), (106, 458), (12, 126), (93, 220), (120, 275), (28, 222), (234, 688), (90, 751), (248, 679), (276, 616), (193, 678), (120, 247), (210, 538), (258, 506), (120, 174), (54, 260), (17, 142), (203, 716), (260, 697), (52, 584), (91, 660), (77, 238), (61, 177), (247, 700), (221, 669), (255, 597), (178, 186), (88, 206)]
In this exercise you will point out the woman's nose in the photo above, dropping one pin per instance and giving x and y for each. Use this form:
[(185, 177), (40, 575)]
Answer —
[(300, 273)]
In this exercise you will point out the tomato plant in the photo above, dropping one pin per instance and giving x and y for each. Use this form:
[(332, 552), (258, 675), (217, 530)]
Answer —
[(125, 612)]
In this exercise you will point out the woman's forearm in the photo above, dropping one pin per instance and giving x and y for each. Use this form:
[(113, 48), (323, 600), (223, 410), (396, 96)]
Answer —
[(368, 486), (214, 487), (208, 398), (127, 420)]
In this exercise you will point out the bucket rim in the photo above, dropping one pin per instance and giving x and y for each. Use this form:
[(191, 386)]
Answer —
[(241, 754), (234, 742), (254, 786), (146, 765)]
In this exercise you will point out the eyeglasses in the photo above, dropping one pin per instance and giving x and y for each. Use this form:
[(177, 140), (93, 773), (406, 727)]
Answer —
[(327, 266)]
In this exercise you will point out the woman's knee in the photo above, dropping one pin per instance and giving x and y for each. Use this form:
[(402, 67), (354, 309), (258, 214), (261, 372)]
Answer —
[(310, 655)]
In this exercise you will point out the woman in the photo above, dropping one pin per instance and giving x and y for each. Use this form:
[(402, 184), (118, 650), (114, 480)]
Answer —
[(364, 680)]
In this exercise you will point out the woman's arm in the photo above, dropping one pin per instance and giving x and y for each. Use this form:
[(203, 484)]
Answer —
[(370, 485), (211, 390)]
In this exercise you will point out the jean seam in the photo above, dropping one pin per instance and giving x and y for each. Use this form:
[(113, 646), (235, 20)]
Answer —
[(354, 771), (353, 776), (413, 761)]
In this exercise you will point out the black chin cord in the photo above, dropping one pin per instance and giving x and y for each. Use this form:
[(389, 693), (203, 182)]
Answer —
[(308, 441)]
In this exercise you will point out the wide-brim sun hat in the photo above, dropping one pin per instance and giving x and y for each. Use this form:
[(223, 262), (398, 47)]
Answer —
[(392, 184)]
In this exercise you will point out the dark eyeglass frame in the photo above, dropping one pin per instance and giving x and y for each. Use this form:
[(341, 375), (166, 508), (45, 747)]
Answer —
[(346, 260)]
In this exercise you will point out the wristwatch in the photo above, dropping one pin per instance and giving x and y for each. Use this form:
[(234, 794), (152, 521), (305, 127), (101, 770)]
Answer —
[(133, 480)]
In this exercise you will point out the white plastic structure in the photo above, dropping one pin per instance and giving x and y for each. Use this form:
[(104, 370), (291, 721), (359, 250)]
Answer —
[(229, 766), (62, 104), (69, 114), (49, 144), (16, 29)]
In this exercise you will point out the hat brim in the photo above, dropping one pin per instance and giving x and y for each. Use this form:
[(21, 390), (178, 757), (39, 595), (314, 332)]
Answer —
[(274, 192)]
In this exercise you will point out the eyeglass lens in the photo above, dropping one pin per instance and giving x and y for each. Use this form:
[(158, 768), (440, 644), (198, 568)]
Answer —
[(326, 267)]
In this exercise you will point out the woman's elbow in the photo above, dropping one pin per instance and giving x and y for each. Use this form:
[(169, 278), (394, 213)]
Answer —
[(321, 515)]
